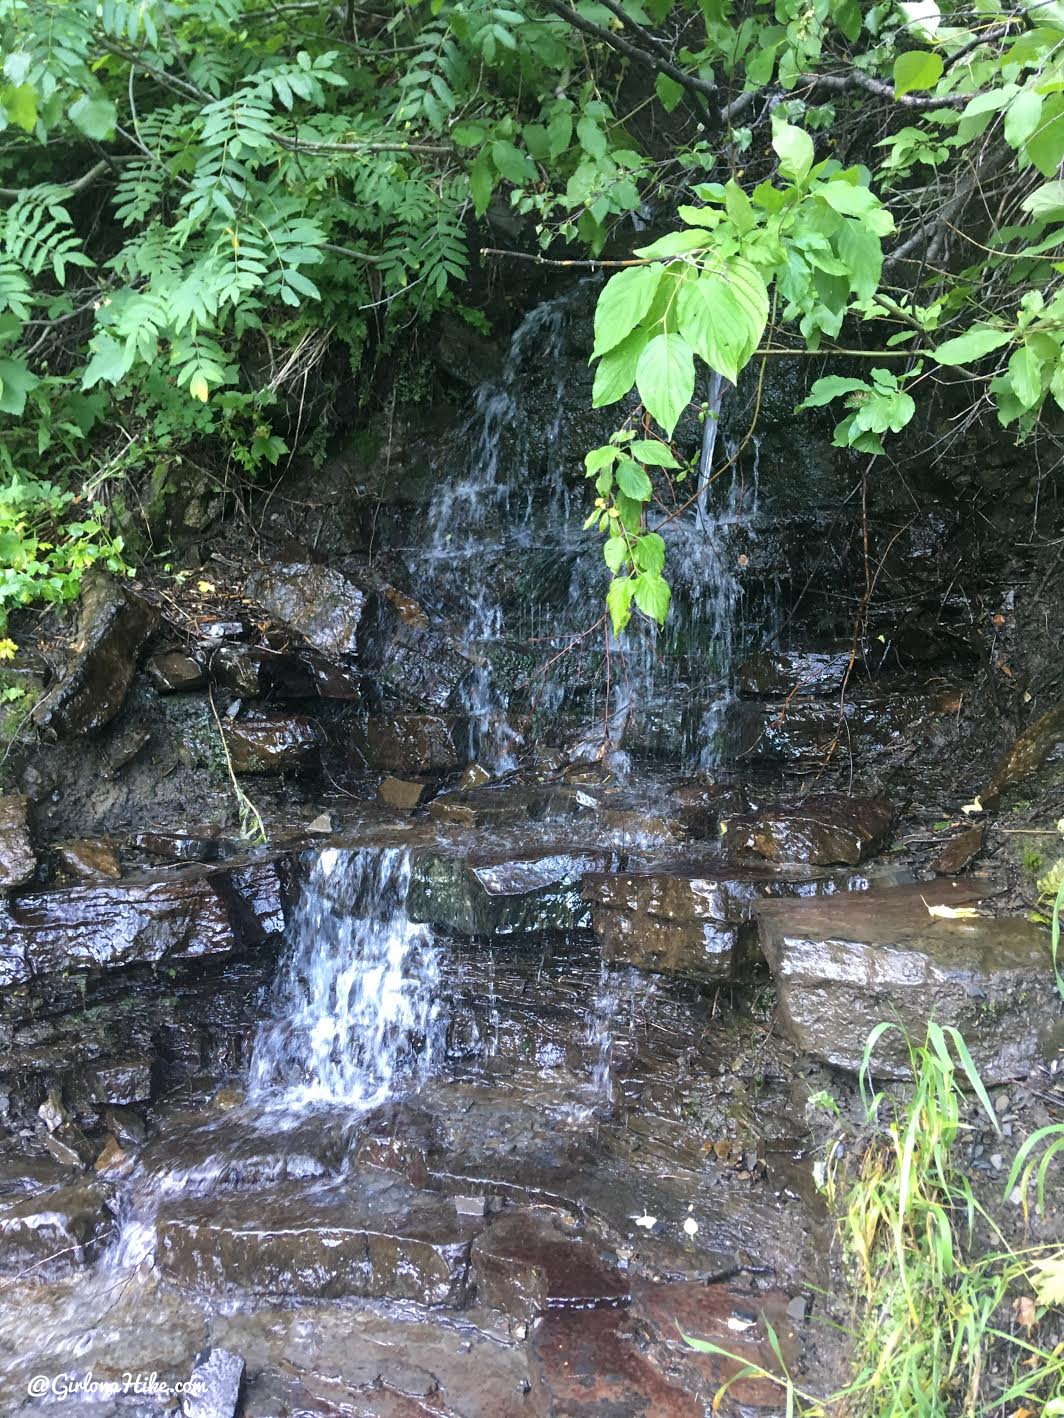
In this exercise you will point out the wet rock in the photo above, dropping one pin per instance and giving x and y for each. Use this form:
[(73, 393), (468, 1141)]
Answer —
[(89, 858), (53, 1232), (733, 1317), (1038, 750), (248, 1156), (20, 1175), (128, 1126), (525, 1264), (694, 920), (488, 895), (842, 965), (699, 807), (595, 1364), (822, 829), (113, 626), (214, 1386), (18, 862), (322, 825), (416, 664), (303, 673), (473, 776), (772, 673), (401, 794), (177, 846), (70, 1147), (322, 604), (410, 743), (959, 852), (176, 916), (372, 1236), (808, 730), (496, 806), (174, 672), (112, 1158), (124, 747), (276, 744), (122, 1082)]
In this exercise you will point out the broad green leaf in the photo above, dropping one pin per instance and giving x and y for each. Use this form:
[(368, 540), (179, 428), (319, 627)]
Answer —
[(16, 381), (619, 602), (468, 135), (737, 205), (917, 70), (675, 243), (723, 315), (616, 371), (512, 163), (668, 91), (972, 345), (847, 199), (1025, 374), (615, 552), (832, 386), (560, 133), (652, 595), (95, 117), (625, 299), (794, 148), (1022, 117), (665, 378), (633, 481), (650, 552), (603, 457), (482, 180), (654, 454), (1045, 201), (20, 102), (591, 137)]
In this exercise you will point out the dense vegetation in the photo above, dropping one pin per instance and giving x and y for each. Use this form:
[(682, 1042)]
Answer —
[(200, 197)]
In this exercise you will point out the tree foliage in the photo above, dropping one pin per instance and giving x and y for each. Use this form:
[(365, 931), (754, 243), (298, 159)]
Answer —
[(198, 195)]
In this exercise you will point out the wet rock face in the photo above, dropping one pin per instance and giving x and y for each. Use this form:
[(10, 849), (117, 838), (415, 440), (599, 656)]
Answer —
[(415, 663), (1038, 750), (820, 830), (843, 965), (278, 743), (215, 1385), (18, 862), (525, 1263), (173, 916), (174, 672), (410, 743), (53, 1232), (499, 896), (298, 673), (322, 604), (113, 626), (959, 852), (374, 1236), (89, 858)]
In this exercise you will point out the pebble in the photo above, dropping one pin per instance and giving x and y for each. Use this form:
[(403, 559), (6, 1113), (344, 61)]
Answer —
[(997, 1161), (796, 1309)]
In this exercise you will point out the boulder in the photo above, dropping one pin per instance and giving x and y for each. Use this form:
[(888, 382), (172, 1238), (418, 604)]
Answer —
[(175, 916), (820, 830), (1039, 748), (496, 895), (89, 859), (276, 743), (410, 743), (113, 626), (322, 604), (53, 1232), (373, 1236), (844, 964), (175, 672), (959, 852), (18, 861)]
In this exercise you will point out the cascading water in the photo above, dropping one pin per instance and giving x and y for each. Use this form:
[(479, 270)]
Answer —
[(357, 1011)]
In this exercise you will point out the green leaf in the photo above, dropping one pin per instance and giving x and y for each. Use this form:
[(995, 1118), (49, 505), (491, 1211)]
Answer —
[(512, 163), (95, 117), (619, 602), (616, 371), (665, 378), (615, 552), (972, 345), (675, 243), (16, 381), (649, 552), (468, 135), (794, 148), (560, 133), (602, 457), (1045, 201), (723, 315), (668, 91), (654, 454), (482, 181), (1022, 117), (591, 137), (625, 299), (1025, 374), (919, 69), (828, 388), (20, 102), (652, 595), (632, 481)]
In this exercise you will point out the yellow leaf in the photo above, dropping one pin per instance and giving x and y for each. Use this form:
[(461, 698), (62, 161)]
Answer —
[(204, 587), (1048, 1280), (952, 913), (198, 389), (974, 806), (7, 649)]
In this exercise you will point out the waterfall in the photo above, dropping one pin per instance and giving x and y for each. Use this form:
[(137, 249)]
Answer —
[(356, 1007)]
